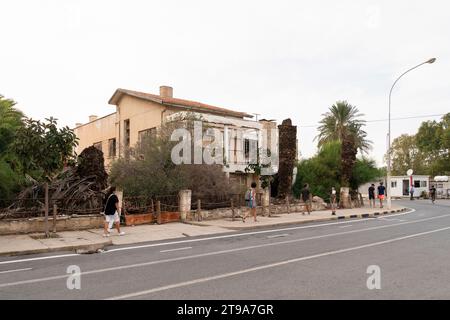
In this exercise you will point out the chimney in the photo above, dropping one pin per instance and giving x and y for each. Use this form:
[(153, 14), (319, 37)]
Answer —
[(92, 118), (166, 91)]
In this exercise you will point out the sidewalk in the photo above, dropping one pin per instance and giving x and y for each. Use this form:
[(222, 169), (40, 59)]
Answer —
[(89, 241), (297, 217)]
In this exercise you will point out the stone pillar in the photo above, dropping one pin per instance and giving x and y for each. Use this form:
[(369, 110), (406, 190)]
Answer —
[(265, 199), (287, 142), (344, 198), (184, 197)]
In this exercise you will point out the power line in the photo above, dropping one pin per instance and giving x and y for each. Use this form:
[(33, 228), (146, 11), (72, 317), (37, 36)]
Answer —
[(383, 120)]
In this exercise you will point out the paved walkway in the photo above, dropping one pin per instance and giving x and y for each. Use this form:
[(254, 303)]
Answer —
[(92, 240), (295, 218)]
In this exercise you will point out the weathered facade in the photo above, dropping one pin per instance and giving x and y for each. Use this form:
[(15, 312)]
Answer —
[(138, 114)]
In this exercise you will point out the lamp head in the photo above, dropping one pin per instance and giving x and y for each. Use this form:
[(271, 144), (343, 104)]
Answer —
[(432, 60)]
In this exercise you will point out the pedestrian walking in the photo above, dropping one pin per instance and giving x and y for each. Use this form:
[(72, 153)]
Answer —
[(307, 198), (372, 195), (333, 201), (433, 194), (250, 202), (411, 192), (381, 193), (112, 213)]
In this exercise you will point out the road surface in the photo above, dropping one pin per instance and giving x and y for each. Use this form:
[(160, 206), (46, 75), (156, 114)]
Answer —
[(406, 255)]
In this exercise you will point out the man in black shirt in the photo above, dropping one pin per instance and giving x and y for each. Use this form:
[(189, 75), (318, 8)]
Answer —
[(433, 194), (381, 193), (112, 213), (372, 195)]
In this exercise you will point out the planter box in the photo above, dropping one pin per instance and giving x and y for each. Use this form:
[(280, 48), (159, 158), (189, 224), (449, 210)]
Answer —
[(167, 217), (137, 219)]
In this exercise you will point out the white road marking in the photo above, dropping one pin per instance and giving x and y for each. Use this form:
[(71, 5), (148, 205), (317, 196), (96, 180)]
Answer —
[(346, 226), (248, 233), (278, 236), (16, 270), (39, 258), (272, 265), (176, 249), (137, 265), (203, 239)]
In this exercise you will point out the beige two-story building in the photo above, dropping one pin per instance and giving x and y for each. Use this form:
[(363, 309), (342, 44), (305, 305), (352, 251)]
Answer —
[(138, 114)]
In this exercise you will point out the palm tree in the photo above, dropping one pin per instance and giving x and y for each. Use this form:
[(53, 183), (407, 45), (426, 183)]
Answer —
[(10, 121), (342, 121), (342, 124)]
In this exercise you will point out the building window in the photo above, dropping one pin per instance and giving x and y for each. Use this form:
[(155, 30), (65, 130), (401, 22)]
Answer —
[(416, 183), (393, 184), (250, 145), (98, 145), (423, 184), (126, 129), (246, 148), (112, 147), (146, 133)]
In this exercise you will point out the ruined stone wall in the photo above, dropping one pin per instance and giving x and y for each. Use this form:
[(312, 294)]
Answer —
[(287, 155)]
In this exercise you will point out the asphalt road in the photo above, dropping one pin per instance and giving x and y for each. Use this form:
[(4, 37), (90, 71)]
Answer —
[(307, 261)]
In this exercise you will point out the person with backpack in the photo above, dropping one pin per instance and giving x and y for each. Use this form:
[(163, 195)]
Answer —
[(250, 202), (112, 213), (307, 198)]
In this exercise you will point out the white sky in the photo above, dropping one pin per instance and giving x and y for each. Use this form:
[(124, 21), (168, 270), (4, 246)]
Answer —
[(279, 59)]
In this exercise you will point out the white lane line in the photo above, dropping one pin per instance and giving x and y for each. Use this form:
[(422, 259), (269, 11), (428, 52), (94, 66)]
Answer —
[(16, 270), (272, 265), (346, 226), (201, 255), (278, 235), (39, 258), (176, 249), (247, 233), (204, 239)]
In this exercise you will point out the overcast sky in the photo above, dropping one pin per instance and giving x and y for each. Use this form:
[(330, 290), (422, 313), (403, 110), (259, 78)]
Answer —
[(277, 58)]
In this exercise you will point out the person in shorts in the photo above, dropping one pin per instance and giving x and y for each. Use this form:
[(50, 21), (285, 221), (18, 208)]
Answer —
[(381, 193), (333, 201), (112, 213), (372, 195), (307, 198), (250, 202)]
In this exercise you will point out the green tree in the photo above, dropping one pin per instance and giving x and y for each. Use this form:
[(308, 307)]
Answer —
[(10, 121), (342, 120), (407, 155), (43, 149), (342, 123), (433, 139), (324, 171)]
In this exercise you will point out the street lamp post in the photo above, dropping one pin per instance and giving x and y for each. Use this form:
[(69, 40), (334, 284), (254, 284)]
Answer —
[(388, 180)]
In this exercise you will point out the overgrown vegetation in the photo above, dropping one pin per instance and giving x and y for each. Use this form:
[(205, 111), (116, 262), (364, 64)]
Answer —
[(324, 171), (427, 152), (147, 169)]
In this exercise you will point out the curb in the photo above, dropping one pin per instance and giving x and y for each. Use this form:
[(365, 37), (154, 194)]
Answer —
[(80, 249), (331, 218)]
